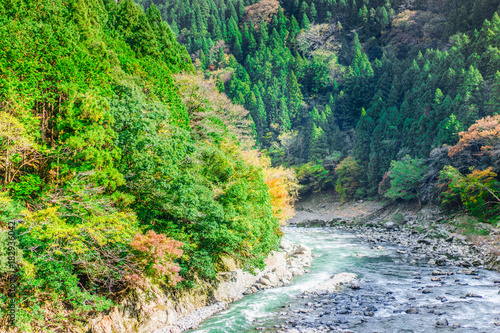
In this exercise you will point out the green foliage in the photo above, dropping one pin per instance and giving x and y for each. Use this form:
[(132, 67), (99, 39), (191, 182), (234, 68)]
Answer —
[(415, 96), (468, 225), (478, 191), (313, 177), (405, 178), (110, 167), (348, 173), (27, 187)]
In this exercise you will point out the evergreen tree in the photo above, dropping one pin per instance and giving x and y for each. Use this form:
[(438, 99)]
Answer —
[(318, 146), (305, 22), (312, 12)]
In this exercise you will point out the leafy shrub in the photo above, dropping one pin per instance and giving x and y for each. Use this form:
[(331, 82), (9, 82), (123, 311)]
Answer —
[(405, 178), (313, 177), (283, 188), (478, 191), (468, 225), (155, 254), (348, 173), (483, 134), (28, 186)]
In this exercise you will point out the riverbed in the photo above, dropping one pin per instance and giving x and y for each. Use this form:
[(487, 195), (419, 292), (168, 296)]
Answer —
[(396, 294)]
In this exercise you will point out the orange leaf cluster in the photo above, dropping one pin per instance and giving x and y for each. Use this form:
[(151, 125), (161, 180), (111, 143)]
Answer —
[(282, 183), (485, 131), (281, 200)]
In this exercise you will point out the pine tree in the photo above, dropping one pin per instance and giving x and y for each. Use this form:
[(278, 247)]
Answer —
[(312, 12), (494, 101), (220, 84), (304, 8), (263, 34), (221, 57), (364, 130), (305, 22), (295, 97), (360, 62), (261, 111), (318, 146), (284, 118), (363, 14), (203, 60), (384, 18)]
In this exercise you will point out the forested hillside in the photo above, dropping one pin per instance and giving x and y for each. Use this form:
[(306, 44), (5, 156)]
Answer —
[(131, 133), (123, 168), (340, 89)]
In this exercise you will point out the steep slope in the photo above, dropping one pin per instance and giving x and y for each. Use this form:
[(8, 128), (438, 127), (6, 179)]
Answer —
[(118, 176)]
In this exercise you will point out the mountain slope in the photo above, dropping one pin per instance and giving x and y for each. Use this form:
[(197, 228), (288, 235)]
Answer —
[(119, 175)]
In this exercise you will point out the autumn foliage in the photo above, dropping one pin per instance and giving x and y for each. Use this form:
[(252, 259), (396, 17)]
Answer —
[(156, 254), (485, 133), (283, 191), (282, 183), (478, 191)]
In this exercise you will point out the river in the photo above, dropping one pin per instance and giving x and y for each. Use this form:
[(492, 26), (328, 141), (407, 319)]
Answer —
[(391, 286)]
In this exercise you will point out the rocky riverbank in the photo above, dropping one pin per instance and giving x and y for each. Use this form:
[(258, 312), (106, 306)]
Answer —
[(439, 273), (156, 312), (424, 235), (409, 286)]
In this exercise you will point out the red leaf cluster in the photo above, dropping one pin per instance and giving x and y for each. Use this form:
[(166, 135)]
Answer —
[(157, 254)]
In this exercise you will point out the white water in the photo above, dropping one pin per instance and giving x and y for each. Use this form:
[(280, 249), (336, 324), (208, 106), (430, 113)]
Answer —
[(380, 271)]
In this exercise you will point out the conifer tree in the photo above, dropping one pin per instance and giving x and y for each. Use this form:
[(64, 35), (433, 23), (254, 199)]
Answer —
[(318, 146), (295, 97), (263, 34), (305, 22), (312, 12)]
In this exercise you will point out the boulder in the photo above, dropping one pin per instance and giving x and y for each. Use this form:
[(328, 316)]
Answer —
[(389, 225), (333, 283), (442, 322)]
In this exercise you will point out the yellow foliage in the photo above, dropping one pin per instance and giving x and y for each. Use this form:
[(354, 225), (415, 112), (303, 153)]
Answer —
[(478, 190), (282, 183), (95, 231), (5, 200), (16, 147)]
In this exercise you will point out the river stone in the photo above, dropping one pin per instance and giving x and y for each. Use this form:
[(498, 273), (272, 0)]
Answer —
[(411, 311), (333, 283), (426, 291), (424, 241), (389, 225), (471, 271), (442, 322), (442, 261), (435, 279), (354, 286), (265, 282)]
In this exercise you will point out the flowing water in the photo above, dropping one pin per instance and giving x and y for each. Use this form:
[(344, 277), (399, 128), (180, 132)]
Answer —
[(389, 283)]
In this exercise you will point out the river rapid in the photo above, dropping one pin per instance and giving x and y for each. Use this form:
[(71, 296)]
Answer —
[(394, 294)]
